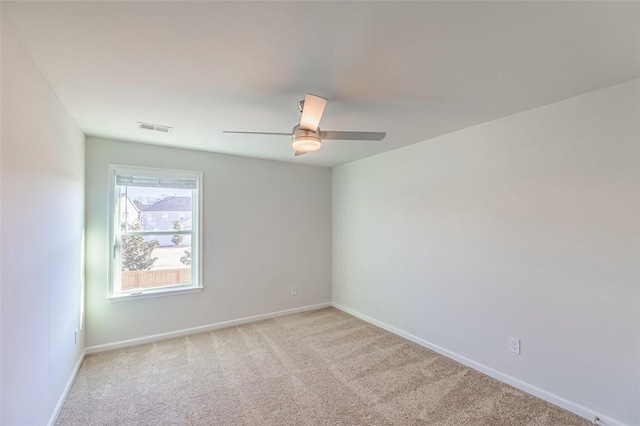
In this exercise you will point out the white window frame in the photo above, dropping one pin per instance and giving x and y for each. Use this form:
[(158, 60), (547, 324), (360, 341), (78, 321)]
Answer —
[(196, 284)]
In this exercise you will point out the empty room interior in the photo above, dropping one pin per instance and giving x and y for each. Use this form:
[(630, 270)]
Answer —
[(320, 213)]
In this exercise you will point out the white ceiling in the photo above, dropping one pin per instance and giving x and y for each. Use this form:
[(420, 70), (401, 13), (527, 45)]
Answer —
[(415, 70)]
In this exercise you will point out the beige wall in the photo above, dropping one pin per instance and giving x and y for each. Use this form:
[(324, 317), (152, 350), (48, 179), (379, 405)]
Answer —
[(42, 220), (267, 227), (526, 227)]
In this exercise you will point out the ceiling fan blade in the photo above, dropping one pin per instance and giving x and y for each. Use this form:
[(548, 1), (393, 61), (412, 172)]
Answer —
[(257, 133), (312, 112), (299, 153), (352, 136)]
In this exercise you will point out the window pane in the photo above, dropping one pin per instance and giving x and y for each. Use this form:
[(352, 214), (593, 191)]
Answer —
[(158, 209), (155, 261)]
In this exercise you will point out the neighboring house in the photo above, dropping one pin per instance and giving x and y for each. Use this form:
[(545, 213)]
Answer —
[(162, 215), (129, 212)]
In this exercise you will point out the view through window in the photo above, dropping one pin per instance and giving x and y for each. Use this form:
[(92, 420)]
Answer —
[(155, 231)]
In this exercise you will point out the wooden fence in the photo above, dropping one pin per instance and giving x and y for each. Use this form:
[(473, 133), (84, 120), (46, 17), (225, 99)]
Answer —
[(155, 278)]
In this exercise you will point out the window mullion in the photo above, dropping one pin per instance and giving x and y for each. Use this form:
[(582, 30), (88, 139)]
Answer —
[(156, 232)]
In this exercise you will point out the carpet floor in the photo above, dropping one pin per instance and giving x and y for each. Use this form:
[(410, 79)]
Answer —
[(323, 367)]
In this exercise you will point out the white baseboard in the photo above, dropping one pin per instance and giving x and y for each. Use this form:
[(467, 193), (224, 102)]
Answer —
[(200, 329), (574, 407), (65, 392)]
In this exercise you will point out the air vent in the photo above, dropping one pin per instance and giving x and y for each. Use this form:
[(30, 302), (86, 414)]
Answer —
[(156, 127)]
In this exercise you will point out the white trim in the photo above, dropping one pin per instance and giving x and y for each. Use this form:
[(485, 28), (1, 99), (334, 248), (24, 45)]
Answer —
[(114, 169), (150, 294), (156, 172), (554, 399), (56, 411), (200, 329)]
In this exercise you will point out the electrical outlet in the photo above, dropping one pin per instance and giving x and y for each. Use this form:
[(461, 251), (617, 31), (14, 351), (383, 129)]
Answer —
[(514, 345), (294, 291)]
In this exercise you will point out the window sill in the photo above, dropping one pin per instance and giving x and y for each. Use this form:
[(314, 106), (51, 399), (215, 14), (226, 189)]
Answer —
[(149, 294)]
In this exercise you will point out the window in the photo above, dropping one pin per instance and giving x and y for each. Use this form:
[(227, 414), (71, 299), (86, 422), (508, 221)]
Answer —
[(155, 229)]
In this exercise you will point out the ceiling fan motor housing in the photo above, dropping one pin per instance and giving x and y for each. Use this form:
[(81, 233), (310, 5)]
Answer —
[(306, 140)]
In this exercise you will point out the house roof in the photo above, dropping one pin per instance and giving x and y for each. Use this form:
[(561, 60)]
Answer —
[(170, 204)]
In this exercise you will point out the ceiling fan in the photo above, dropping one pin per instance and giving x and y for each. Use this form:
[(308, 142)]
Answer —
[(307, 136)]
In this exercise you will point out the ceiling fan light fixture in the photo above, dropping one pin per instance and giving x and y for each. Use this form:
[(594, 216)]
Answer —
[(306, 143), (305, 140)]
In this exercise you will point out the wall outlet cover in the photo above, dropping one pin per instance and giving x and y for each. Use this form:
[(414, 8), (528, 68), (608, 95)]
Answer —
[(514, 345)]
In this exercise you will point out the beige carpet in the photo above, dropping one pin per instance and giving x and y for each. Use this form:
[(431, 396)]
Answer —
[(317, 368)]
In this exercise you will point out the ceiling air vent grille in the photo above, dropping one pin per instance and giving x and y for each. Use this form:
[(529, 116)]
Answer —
[(156, 127)]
